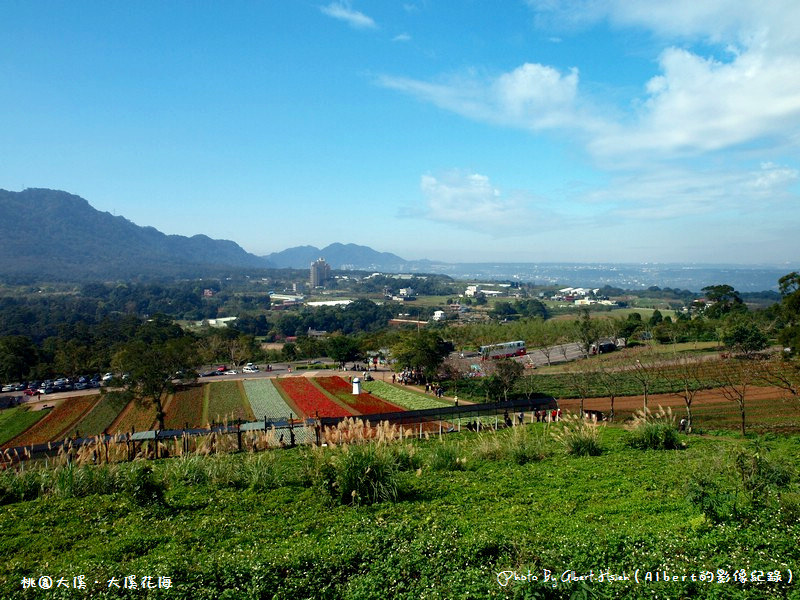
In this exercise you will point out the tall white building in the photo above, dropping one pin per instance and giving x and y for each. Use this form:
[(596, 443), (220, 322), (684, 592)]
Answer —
[(320, 272)]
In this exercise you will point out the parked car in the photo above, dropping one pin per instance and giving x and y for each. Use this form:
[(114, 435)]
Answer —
[(9, 387), (252, 369), (231, 372), (210, 374)]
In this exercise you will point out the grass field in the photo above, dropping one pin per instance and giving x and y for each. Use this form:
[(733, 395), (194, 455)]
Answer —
[(13, 421), (457, 531)]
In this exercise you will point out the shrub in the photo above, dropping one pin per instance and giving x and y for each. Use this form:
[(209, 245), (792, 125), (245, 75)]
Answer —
[(355, 475), (445, 457), (188, 470), (19, 486), (522, 445), (140, 485), (734, 486), (758, 474), (712, 494), (579, 436), (527, 444), (406, 457), (260, 471), (653, 431)]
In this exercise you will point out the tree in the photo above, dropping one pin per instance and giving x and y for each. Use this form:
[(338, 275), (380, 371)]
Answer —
[(630, 326), (610, 381), (689, 373), (150, 368), (585, 331), (736, 376), (724, 299), (421, 350), (18, 356), (507, 372), (644, 371), (782, 372), (789, 336), (547, 336), (743, 335), (342, 349), (581, 382)]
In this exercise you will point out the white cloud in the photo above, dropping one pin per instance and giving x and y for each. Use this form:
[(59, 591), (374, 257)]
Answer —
[(403, 37), (344, 12), (470, 201), (532, 96), (674, 193), (700, 104)]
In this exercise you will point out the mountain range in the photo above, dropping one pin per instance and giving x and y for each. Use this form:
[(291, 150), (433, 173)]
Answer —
[(55, 235), (64, 237), (342, 256)]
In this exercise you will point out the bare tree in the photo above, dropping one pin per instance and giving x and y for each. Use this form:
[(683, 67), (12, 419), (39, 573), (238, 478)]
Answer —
[(736, 376), (547, 336), (781, 372), (610, 380), (688, 373), (644, 371), (581, 381)]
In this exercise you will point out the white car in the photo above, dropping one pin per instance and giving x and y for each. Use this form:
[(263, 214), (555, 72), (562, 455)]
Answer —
[(250, 369), (231, 372)]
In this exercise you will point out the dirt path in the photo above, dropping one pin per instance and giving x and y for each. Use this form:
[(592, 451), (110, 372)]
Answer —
[(703, 398)]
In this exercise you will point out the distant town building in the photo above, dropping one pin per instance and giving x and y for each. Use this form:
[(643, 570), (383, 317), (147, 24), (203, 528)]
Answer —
[(208, 293), (320, 273)]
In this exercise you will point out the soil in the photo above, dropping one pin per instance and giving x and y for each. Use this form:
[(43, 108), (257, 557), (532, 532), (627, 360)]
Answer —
[(703, 398)]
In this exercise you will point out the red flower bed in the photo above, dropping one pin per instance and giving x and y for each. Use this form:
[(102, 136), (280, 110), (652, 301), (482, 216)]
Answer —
[(61, 419), (186, 407), (366, 404), (310, 400)]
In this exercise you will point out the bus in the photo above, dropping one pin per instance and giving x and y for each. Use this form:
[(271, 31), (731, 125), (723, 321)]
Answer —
[(503, 350)]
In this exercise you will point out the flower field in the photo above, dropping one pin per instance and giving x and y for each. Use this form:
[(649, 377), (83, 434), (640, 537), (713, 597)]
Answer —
[(266, 401), (365, 404), (309, 399), (401, 397), (61, 420), (137, 416), (101, 417), (186, 406), (227, 402)]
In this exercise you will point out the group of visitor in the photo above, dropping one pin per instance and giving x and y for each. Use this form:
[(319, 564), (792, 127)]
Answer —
[(545, 416)]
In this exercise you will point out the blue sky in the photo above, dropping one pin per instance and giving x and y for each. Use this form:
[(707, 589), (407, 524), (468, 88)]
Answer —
[(581, 131)]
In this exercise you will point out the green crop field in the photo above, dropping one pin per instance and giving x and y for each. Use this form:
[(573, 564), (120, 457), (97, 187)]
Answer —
[(408, 399), (13, 421), (227, 401), (101, 416)]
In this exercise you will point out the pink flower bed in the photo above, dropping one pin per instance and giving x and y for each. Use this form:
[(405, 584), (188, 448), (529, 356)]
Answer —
[(308, 399), (366, 404)]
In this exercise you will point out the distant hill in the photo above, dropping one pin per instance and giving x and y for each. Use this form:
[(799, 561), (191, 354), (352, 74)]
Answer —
[(62, 236), (340, 256)]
